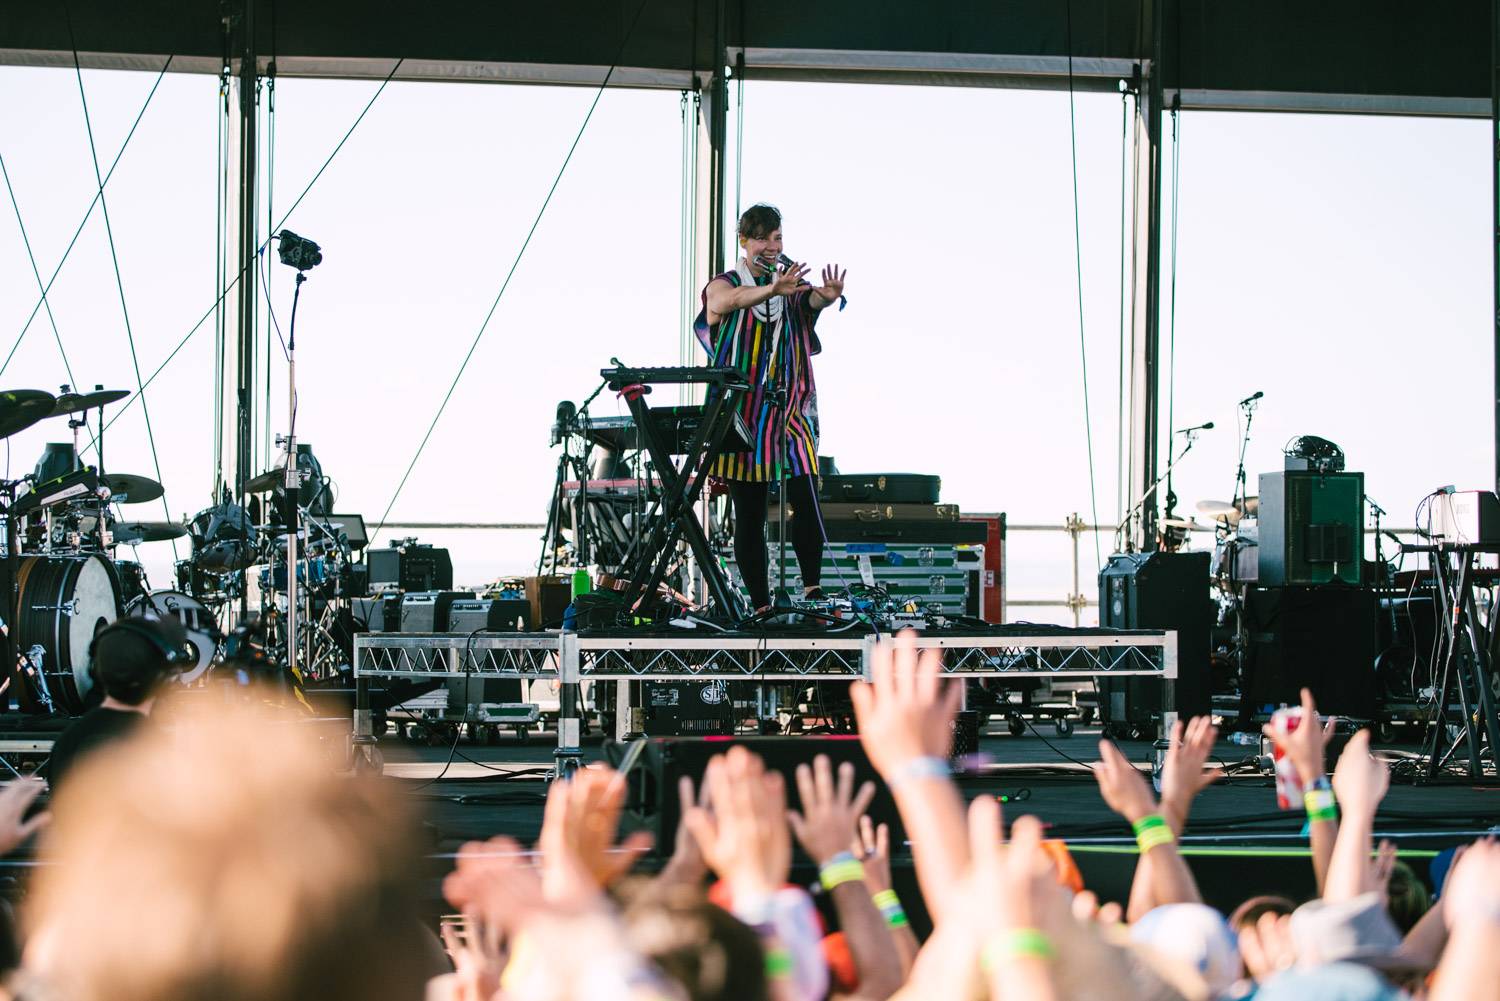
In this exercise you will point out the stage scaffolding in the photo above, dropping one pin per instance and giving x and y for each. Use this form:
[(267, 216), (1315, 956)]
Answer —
[(571, 659)]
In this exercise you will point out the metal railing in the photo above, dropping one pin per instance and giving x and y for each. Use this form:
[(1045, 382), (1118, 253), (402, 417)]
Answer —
[(1076, 601)]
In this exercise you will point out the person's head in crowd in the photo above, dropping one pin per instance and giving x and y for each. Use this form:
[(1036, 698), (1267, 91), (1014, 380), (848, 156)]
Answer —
[(1195, 936), (222, 859), (132, 657), (712, 954), (1406, 897), (1249, 913)]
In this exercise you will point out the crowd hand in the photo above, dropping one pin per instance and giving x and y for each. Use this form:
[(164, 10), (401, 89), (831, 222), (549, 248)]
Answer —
[(1007, 884), (743, 833), (872, 846), (1382, 864), (786, 282), (686, 864), (1360, 780), (1471, 893), (905, 712), (833, 283), (831, 810), (1305, 745), (476, 972), (1183, 775), (15, 798), (579, 826), (1087, 909), (1267, 946), (1123, 787)]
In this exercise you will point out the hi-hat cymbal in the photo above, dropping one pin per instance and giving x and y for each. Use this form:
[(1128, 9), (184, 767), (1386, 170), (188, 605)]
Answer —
[(72, 403), (21, 408), (265, 481), (132, 532), (1252, 505), (1185, 523), (129, 488)]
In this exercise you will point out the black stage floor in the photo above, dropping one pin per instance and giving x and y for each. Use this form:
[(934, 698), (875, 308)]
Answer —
[(1237, 842)]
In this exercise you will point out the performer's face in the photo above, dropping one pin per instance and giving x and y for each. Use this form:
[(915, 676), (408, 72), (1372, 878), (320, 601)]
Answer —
[(763, 252)]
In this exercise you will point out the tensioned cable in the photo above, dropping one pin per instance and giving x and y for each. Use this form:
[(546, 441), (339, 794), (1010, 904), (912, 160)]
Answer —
[(285, 216), (1083, 350), (511, 273), (1172, 315), (37, 272), (1120, 473), (115, 260), (84, 221)]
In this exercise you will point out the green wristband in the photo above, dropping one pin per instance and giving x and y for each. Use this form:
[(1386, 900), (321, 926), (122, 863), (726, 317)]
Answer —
[(1151, 832), (886, 898), (1019, 943), (778, 963), (1320, 805)]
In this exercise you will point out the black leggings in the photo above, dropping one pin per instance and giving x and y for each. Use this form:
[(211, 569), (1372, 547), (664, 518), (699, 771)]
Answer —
[(751, 502)]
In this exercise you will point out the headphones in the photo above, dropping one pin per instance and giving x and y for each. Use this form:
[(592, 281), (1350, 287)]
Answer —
[(143, 625)]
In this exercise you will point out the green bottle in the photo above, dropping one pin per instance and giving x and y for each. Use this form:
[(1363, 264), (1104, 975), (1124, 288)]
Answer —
[(581, 582)]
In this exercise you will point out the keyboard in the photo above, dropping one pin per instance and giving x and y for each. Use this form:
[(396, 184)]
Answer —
[(729, 378), (678, 425)]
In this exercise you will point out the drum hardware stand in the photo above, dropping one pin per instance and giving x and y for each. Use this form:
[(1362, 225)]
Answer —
[(1124, 543)]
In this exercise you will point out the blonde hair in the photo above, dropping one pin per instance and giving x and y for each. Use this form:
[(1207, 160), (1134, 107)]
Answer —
[(225, 859)]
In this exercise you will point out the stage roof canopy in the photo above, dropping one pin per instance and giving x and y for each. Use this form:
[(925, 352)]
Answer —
[(1358, 56)]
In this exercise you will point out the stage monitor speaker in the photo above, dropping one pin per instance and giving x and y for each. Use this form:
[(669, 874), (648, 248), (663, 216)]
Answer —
[(1158, 591), (651, 783), (1322, 638), (1311, 528)]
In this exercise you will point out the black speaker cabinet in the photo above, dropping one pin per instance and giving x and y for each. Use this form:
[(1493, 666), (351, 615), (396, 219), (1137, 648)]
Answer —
[(1322, 638), (1158, 591), (427, 611), (651, 785), (470, 615)]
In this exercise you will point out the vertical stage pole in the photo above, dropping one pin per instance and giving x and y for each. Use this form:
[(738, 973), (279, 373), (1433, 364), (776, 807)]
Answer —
[(1495, 214), (249, 82), (1145, 321), (718, 126)]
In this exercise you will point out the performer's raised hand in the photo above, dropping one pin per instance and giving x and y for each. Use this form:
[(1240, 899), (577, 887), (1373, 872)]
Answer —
[(786, 282), (833, 283)]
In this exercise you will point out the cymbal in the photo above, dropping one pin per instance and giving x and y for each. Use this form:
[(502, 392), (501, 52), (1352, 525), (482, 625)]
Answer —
[(132, 532), (129, 488), (265, 481), (72, 403), (21, 408), (1252, 505), (1219, 511), (1185, 523)]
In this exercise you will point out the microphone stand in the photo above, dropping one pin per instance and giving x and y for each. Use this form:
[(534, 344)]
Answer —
[(1191, 439), (292, 483), (1239, 474)]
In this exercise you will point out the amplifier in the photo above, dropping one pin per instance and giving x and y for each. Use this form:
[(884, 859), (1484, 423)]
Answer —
[(380, 614), (427, 611), (490, 614), (1158, 591), (687, 708), (549, 597), (410, 567), (1467, 516)]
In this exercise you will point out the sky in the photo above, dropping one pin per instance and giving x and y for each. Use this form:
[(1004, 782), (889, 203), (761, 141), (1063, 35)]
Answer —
[(1340, 265)]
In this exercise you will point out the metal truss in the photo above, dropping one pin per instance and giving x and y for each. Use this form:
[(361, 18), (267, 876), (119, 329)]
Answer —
[(1083, 654)]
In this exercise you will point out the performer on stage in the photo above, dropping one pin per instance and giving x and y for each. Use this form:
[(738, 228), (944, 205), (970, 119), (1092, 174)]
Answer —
[(760, 319)]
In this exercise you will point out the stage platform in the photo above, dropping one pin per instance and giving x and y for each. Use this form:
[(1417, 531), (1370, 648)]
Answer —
[(1237, 841)]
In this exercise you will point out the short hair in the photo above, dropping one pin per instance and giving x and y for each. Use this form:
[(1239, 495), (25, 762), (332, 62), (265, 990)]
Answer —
[(227, 860), (702, 947), (759, 221), (1253, 909), (128, 665)]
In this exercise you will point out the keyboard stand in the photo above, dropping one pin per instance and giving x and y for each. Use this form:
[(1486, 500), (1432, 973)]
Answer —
[(680, 490)]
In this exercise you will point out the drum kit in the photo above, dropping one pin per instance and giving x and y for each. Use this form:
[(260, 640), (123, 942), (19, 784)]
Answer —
[(63, 578), (65, 575)]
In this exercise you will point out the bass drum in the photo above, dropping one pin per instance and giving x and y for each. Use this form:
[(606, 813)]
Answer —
[(62, 603), (203, 633)]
